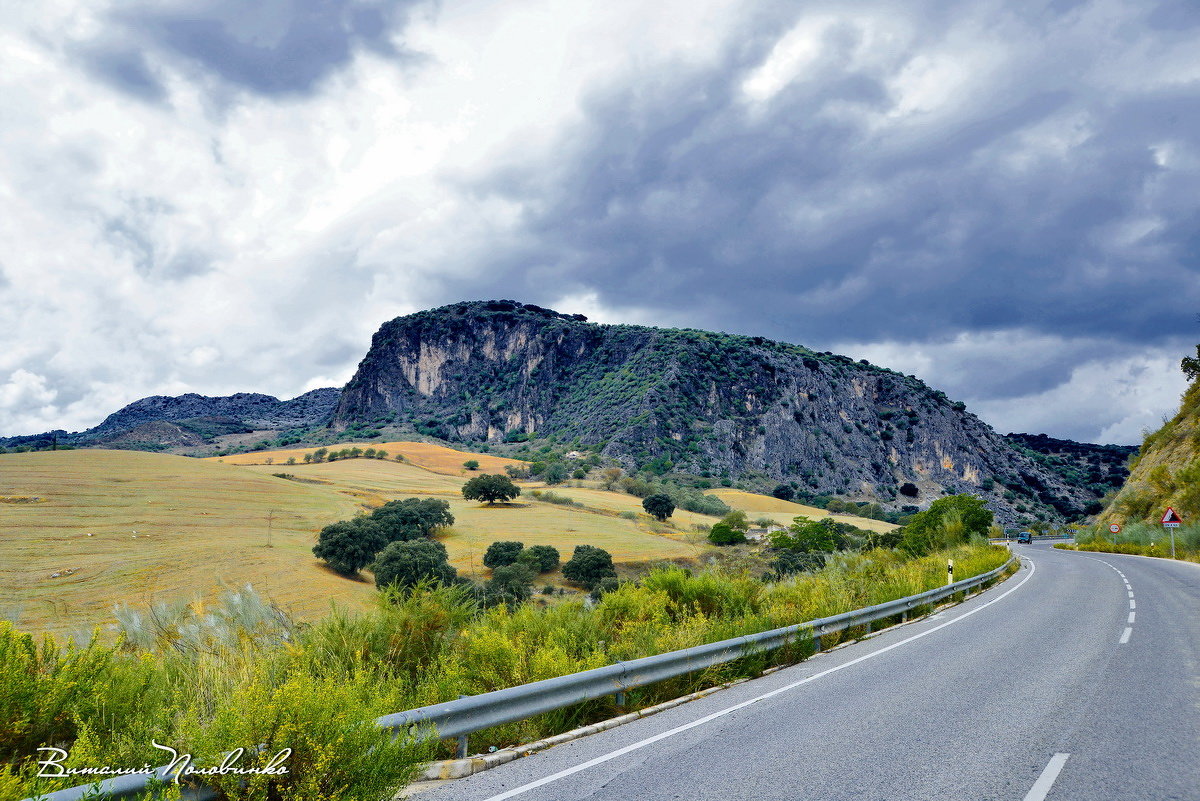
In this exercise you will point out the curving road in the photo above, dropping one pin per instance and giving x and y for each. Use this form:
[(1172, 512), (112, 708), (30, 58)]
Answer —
[(1078, 678)]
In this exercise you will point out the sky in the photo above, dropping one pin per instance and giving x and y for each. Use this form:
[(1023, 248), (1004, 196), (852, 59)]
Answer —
[(214, 196)]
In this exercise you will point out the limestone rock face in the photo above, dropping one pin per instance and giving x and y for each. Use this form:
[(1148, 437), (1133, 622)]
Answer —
[(708, 403)]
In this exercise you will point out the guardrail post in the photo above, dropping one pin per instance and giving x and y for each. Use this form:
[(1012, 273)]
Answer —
[(461, 751)]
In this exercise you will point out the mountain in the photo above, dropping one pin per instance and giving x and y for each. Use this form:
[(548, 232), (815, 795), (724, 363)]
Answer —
[(1100, 469), (254, 410), (709, 404), (1165, 472), (187, 420)]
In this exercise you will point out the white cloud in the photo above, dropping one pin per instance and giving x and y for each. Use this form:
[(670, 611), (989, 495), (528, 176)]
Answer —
[(227, 240), (224, 243)]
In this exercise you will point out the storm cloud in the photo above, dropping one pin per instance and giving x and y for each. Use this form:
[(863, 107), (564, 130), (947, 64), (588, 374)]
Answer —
[(998, 198)]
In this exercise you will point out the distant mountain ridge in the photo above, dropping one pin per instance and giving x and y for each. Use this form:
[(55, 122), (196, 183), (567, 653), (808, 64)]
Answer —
[(254, 409), (700, 402), (194, 419)]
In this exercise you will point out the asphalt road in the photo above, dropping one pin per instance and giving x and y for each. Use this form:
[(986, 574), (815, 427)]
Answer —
[(1048, 686)]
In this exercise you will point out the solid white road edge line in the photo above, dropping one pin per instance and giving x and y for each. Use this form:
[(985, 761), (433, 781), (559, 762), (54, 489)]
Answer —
[(1126, 634), (562, 774), (1041, 788)]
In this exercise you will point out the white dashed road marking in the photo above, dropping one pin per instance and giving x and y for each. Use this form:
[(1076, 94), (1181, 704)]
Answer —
[(1041, 788)]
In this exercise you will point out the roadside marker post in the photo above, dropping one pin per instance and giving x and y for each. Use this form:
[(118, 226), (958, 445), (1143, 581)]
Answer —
[(950, 571), (1171, 520)]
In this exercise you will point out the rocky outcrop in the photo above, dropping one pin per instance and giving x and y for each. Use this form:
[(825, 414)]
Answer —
[(255, 410), (706, 403)]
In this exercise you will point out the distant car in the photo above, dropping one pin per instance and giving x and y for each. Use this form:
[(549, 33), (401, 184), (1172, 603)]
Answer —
[(1025, 538)]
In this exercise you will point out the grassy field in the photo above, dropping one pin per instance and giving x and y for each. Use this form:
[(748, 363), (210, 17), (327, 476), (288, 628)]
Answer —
[(784, 511), (135, 527), (173, 528), (527, 520), (436, 458), (132, 527)]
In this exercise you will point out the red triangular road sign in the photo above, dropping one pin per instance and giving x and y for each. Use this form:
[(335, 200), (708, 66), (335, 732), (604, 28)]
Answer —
[(1170, 517)]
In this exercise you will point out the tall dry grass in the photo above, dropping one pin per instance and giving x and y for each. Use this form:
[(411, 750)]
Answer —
[(207, 681)]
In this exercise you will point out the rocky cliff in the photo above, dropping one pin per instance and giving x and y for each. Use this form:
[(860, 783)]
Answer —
[(699, 402)]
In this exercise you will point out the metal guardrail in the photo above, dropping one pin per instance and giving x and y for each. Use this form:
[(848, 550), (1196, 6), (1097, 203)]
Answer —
[(1038, 538), (466, 715), (459, 718)]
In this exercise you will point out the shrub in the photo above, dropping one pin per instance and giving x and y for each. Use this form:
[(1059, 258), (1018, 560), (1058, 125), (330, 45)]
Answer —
[(603, 587), (547, 557), (350, 545), (783, 492), (510, 584), (490, 488), (588, 565), (724, 534), (947, 522), (471, 464), (554, 497), (325, 727), (659, 506), (502, 553), (405, 564), (628, 515), (412, 518), (555, 473), (787, 563)]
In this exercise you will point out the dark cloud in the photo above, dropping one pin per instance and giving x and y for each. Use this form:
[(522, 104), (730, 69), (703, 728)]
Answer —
[(800, 217), (125, 70), (272, 48)]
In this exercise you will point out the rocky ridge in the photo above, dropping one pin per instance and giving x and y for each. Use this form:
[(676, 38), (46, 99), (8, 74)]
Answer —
[(704, 403)]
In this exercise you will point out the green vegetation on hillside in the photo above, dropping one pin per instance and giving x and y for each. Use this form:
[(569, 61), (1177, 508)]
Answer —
[(186, 676), (1166, 470)]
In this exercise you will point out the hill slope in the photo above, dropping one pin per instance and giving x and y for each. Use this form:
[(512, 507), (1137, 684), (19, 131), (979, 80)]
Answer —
[(701, 402), (1166, 471)]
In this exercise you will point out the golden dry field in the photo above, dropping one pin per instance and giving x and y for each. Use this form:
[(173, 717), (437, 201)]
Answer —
[(167, 528), (533, 522), (784, 511), (135, 527), (437, 458)]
